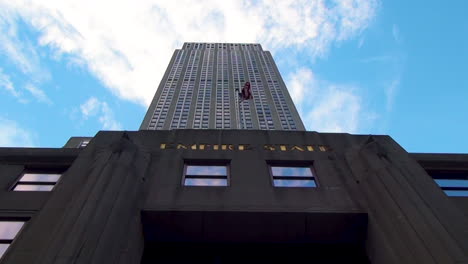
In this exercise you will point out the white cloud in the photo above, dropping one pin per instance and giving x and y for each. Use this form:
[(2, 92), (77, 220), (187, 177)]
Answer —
[(94, 107), (337, 110), (127, 44), (301, 85), (90, 107), (107, 118), (37, 93), (328, 107), (12, 135)]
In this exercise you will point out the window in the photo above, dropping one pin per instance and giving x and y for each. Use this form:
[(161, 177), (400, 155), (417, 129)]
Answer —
[(8, 231), (292, 176), (83, 143), (452, 182), (453, 187), (37, 181), (205, 175)]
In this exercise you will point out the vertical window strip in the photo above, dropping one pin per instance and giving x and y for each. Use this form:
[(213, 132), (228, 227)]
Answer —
[(245, 119), (284, 114), (167, 94), (223, 115), (202, 108), (264, 118), (180, 117)]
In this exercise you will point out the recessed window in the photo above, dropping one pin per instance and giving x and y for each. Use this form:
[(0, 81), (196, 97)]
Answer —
[(205, 175), (83, 143), (452, 182), (292, 176), (37, 181), (8, 231), (453, 187)]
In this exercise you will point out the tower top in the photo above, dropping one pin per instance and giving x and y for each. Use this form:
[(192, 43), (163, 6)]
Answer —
[(230, 46)]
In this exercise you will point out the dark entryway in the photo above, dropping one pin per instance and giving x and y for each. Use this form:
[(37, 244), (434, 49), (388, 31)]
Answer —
[(235, 253)]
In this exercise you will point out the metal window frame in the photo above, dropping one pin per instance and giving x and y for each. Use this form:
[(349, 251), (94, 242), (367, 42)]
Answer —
[(11, 241), (225, 163), (292, 164), (37, 171)]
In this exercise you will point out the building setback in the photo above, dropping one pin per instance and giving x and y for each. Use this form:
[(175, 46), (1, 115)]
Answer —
[(135, 197), (200, 90)]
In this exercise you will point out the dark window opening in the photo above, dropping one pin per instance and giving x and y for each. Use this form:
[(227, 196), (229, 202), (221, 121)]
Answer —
[(255, 253), (452, 182)]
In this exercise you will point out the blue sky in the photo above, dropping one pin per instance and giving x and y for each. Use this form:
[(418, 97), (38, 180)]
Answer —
[(72, 68)]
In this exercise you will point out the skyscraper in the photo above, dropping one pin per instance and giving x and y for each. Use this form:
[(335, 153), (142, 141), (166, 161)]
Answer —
[(200, 90), (230, 196)]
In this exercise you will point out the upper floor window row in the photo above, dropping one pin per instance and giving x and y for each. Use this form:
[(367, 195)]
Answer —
[(205, 175), (43, 181), (217, 174)]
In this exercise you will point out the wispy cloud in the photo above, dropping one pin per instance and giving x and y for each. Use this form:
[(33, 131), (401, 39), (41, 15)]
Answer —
[(13, 135), (338, 109), (394, 65), (37, 93), (90, 108), (20, 52), (391, 89), (361, 42), (302, 84), (107, 118), (396, 34), (94, 107), (7, 85), (380, 59), (326, 106), (124, 48)]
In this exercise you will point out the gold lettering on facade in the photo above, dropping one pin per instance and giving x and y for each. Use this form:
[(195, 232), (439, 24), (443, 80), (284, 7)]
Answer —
[(269, 147), (180, 146), (297, 148), (243, 147)]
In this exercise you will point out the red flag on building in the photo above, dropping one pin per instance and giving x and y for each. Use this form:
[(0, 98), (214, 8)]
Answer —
[(246, 94)]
